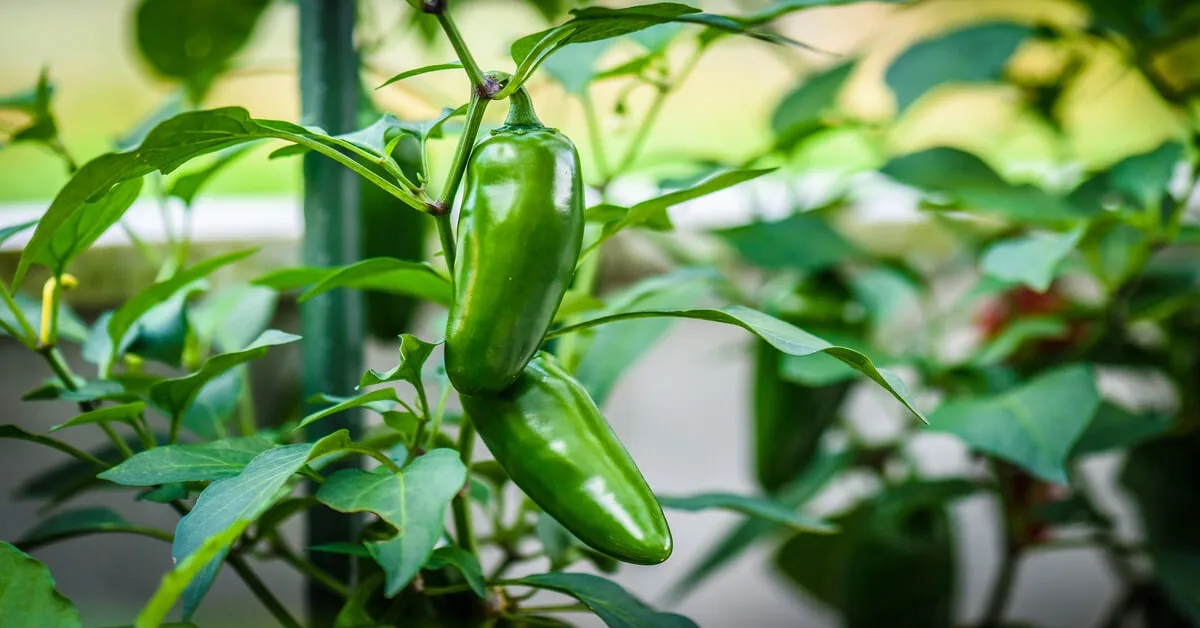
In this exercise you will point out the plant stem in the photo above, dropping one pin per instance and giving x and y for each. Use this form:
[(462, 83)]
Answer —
[(462, 152), (447, 590), (378, 456), (478, 80), (246, 422), (1002, 588), (261, 591), (318, 575), (145, 531), (63, 372), (446, 235), (462, 504)]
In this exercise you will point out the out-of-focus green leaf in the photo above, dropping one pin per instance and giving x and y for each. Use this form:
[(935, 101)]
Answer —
[(1117, 428), (1034, 426), (1032, 260), (975, 54), (611, 603), (194, 41), (801, 110), (802, 242), (971, 183)]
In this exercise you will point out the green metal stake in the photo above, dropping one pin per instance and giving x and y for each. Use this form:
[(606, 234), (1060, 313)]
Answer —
[(332, 323)]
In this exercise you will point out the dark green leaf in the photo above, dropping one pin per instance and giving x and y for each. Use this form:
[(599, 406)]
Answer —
[(173, 396), (168, 146), (186, 186), (758, 507), (414, 502), (817, 564), (125, 413), (42, 126), (1015, 334), (228, 506), (611, 603), (1163, 479), (413, 354), (12, 230), (452, 65), (268, 524), (1146, 177), (743, 535), (1034, 426), (970, 182), (201, 462), (654, 211), (386, 395), (803, 242), (386, 274), (194, 41), (975, 54), (355, 613), (1114, 427), (164, 494), (349, 549), (802, 109), (1032, 260), (787, 338), (575, 66), (27, 595), (234, 316), (462, 560), (780, 8), (215, 404), (283, 279), (124, 318), (84, 227), (161, 333)]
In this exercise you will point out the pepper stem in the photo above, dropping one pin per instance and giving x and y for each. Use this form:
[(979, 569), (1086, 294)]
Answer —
[(520, 110)]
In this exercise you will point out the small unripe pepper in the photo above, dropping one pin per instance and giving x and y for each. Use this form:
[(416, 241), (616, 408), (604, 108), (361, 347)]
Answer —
[(519, 236)]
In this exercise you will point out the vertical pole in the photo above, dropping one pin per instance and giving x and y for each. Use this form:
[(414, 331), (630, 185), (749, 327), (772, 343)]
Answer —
[(332, 323)]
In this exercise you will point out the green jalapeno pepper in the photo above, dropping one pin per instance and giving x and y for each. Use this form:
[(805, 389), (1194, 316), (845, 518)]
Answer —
[(556, 446), (519, 236)]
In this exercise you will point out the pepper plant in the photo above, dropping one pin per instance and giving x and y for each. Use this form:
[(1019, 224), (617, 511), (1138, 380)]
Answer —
[(1066, 280), (518, 275)]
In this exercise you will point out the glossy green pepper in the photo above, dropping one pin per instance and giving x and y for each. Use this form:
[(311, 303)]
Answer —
[(556, 446), (519, 236)]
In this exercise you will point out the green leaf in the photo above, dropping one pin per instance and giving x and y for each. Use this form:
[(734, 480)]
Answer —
[(173, 396), (654, 211), (803, 242), (186, 186), (196, 565), (42, 126), (215, 404), (608, 600), (413, 354), (975, 54), (759, 507), (94, 390), (462, 560), (230, 505), (575, 66), (125, 413), (373, 140), (884, 292), (201, 462), (74, 523), (354, 613), (195, 41), (743, 535), (970, 182), (1146, 177), (27, 595), (413, 501), (1114, 427), (386, 274), (1032, 260), (349, 549), (283, 279), (164, 494), (802, 109), (1015, 334), (817, 564), (12, 230), (232, 317), (1033, 426), (787, 338), (614, 349), (437, 67), (1160, 477), (161, 334), (84, 227), (170, 145), (124, 318), (386, 395)]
